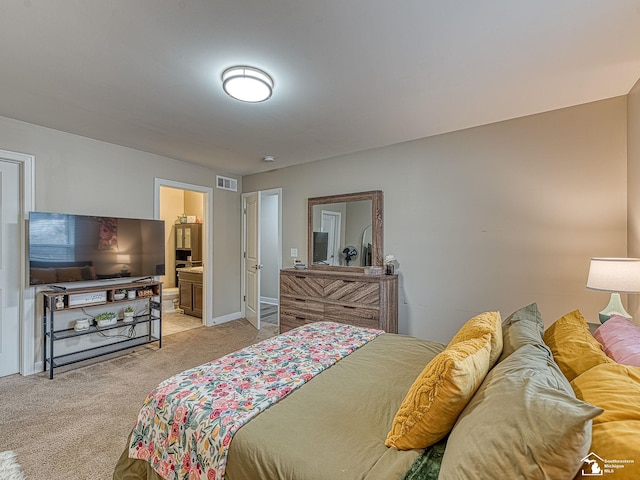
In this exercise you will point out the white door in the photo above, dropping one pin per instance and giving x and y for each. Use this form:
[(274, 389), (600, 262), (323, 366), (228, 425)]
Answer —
[(252, 258), (9, 268), (331, 224)]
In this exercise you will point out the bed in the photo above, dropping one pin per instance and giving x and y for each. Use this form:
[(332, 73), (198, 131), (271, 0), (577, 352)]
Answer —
[(393, 407)]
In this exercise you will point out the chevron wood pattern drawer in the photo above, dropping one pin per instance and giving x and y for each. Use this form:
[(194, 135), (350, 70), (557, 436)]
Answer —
[(297, 307), (287, 322), (363, 317), (351, 291), (302, 285), (344, 297)]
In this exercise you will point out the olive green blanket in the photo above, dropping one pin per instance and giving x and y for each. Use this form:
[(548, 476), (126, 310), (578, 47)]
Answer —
[(333, 427)]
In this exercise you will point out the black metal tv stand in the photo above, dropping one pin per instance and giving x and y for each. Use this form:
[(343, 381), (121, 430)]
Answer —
[(62, 344)]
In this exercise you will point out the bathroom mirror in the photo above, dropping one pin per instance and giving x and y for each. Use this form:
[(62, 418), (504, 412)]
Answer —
[(345, 231)]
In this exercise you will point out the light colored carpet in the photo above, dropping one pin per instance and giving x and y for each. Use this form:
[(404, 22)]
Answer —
[(74, 427)]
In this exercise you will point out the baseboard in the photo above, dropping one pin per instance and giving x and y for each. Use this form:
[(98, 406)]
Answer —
[(225, 318), (269, 300)]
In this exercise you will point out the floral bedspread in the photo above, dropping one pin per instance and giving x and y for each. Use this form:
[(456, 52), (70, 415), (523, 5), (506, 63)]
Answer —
[(187, 422)]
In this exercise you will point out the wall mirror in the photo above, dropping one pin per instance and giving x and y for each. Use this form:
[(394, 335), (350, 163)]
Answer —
[(345, 231)]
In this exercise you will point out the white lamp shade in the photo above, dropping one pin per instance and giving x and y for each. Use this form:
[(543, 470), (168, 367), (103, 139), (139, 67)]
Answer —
[(620, 275)]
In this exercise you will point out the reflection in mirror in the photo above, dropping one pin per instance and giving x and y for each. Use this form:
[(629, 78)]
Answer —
[(337, 232), (345, 230), (365, 259)]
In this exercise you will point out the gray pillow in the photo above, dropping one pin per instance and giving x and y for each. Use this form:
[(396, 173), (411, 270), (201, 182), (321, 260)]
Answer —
[(522, 327), (523, 422)]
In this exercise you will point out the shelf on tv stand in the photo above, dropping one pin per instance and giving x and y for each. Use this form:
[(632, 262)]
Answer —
[(57, 302)]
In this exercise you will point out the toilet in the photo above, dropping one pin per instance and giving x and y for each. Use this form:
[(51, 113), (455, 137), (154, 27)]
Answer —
[(170, 299)]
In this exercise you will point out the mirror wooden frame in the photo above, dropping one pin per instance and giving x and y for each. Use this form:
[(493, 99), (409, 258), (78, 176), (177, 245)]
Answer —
[(377, 204)]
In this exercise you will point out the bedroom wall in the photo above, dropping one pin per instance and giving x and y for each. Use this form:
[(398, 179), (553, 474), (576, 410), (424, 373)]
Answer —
[(633, 186), (489, 218), (79, 175)]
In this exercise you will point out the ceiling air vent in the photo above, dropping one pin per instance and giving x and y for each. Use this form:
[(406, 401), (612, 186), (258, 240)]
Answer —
[(226, 183)]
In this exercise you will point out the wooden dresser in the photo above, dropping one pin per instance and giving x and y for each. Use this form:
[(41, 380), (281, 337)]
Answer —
[(308, 296)]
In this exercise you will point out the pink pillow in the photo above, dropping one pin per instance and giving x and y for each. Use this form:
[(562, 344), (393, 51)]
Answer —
[(620, 340)]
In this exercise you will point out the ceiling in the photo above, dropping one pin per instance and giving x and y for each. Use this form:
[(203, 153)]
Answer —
[(349, 75)]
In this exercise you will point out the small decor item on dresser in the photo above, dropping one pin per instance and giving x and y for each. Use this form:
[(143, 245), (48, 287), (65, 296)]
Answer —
[(128, 315), (106, 319), (374, 270), (60, 302), (120, 294), (390, 264), (81, 325), (299, 265)]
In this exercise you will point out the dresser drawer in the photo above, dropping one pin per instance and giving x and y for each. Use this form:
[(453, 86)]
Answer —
[(297, 307), (288, 322), (362, 293), (301, 286), (363, 317)]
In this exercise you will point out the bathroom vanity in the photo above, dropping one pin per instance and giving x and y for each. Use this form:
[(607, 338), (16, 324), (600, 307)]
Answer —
[(190, 287)]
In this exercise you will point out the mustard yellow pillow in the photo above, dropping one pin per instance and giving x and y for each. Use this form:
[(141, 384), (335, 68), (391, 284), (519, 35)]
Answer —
[(436, 398), (614, 440), (478, 326), (613, 387), (615, 433), (574, 348)]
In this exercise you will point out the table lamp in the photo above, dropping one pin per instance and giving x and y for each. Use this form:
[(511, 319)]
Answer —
[(616, 275)]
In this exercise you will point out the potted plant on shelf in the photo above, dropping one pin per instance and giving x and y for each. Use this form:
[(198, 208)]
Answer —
[(128, 314), (120, 294), (105, 319)]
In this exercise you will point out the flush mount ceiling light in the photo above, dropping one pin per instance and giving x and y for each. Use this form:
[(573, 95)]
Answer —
[(247, 84)]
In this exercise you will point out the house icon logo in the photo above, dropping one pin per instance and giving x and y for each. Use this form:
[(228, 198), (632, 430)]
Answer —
[(593, 466)]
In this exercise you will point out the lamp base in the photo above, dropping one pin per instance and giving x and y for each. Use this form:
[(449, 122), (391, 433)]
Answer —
[(614, 307)]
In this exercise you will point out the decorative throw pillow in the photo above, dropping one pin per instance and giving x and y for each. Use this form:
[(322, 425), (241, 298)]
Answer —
[(620, 339), (614, 440), (574, 348), (522, 327), (439, 394), (70, 274), (89, 273), (43, 276), (523, 422), (478, 326), (616, 389)]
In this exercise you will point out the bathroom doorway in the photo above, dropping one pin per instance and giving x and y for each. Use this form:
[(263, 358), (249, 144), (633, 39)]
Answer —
[(186, 211)]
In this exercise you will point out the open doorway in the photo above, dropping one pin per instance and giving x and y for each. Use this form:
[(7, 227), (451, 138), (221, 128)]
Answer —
[(187, 292), (262, 258)]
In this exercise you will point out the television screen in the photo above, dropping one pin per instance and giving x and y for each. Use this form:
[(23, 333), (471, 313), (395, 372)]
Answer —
[(73, 248), (320, 247)]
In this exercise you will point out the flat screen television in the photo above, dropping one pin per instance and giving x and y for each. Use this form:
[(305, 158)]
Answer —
[(320, 247), (67, 248)]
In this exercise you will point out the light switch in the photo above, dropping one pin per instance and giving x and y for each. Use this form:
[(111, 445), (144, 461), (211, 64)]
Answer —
[(294, 252)]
